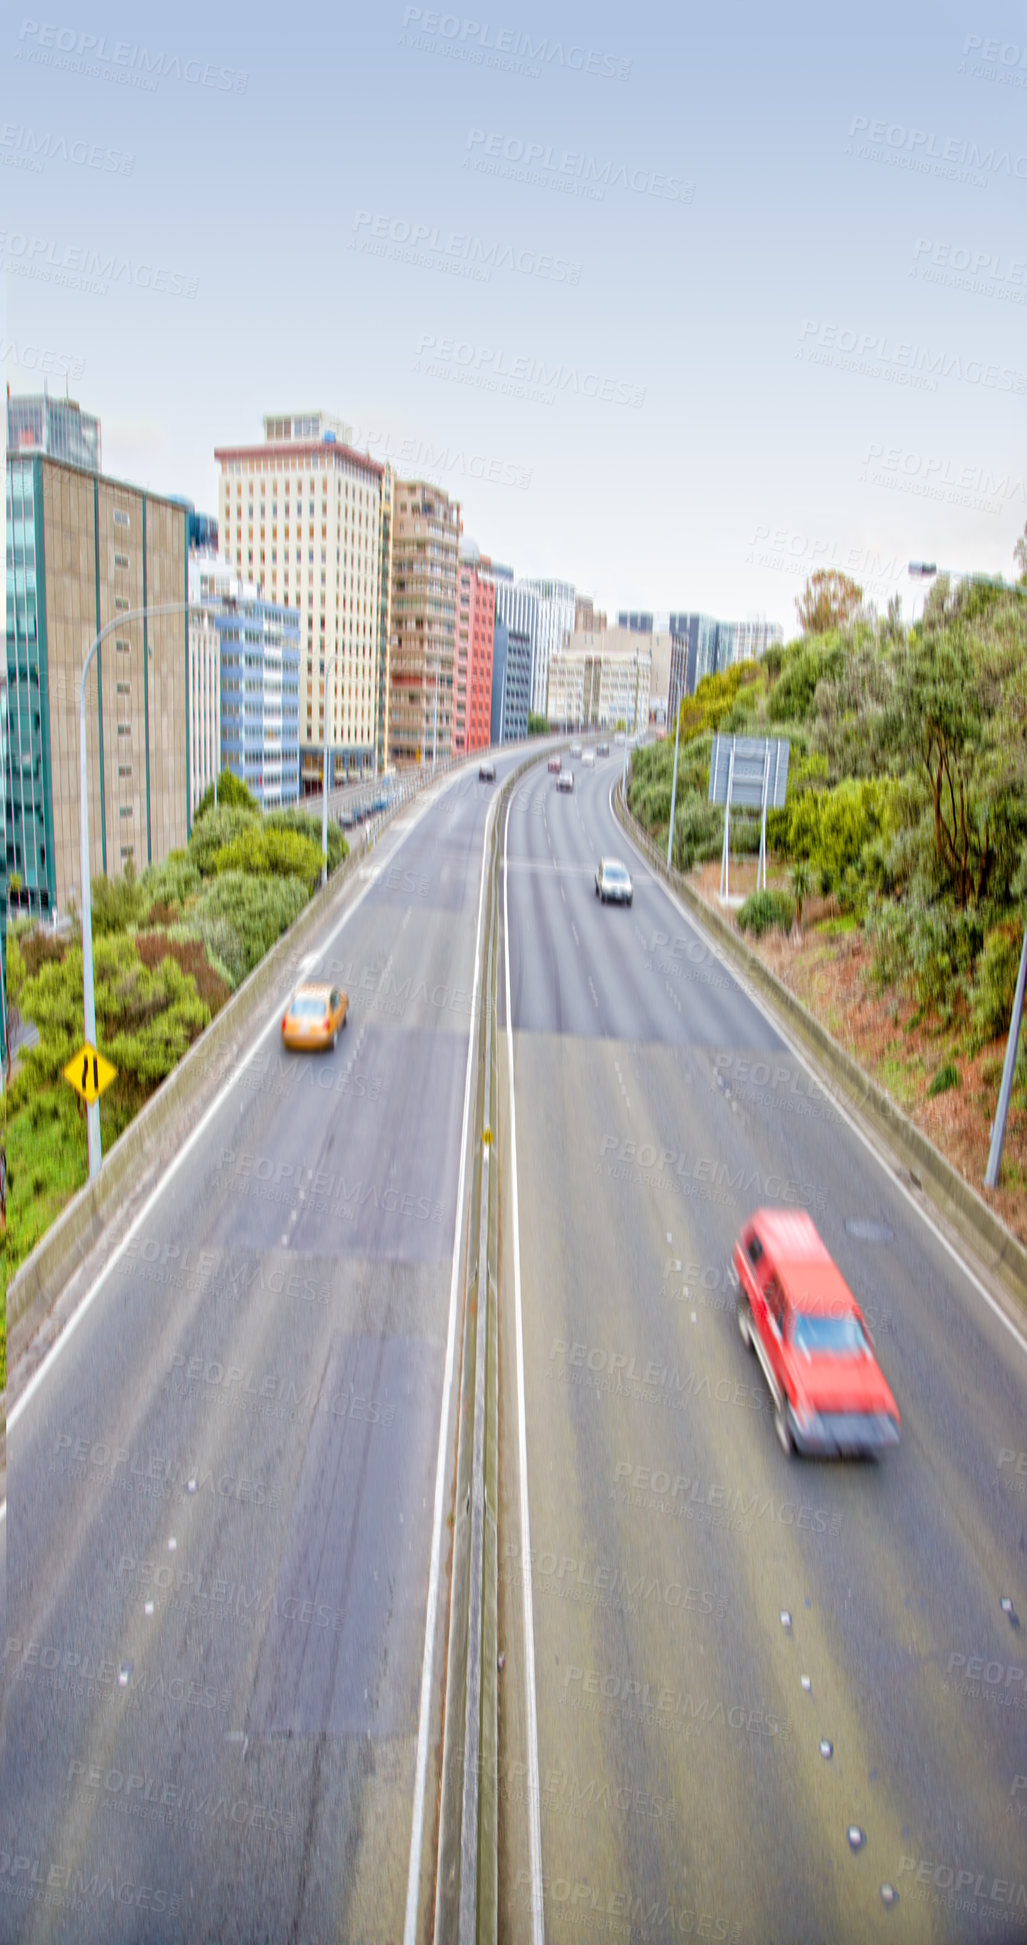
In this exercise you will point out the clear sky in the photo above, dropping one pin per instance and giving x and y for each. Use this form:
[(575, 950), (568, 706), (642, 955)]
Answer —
[(730, 331)]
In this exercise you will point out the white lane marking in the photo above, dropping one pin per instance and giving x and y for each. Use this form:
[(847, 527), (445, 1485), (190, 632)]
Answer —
[(750, 993), (427, 1668), (531, 1720), (171, 1171)]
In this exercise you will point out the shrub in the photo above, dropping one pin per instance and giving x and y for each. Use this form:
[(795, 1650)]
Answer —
[(994, 989), (271, 854), (930, 946), (214, 830), (831, 829), (239, 917), (765, 909), (38, 948), (309, 826), (167, 886), (233, 794), (805, 664), (190, 954), (117, 903), (698, 831), (946, 1077)]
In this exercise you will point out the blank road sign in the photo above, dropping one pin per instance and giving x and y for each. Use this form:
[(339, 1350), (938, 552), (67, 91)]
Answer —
[(752, 754)]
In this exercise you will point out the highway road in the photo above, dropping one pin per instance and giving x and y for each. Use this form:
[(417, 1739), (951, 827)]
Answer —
[(223, 1488), (774, 1700)]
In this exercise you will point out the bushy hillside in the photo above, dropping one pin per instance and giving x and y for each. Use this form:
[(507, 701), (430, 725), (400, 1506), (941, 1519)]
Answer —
[(907, 787)]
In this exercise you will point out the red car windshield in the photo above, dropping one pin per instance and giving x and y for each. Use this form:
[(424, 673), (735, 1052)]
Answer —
[(836, 1336)]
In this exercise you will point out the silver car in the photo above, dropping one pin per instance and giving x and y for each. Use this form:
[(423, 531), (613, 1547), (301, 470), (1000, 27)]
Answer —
[(613, 882)]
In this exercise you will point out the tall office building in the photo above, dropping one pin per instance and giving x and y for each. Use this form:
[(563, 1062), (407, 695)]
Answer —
[(302, 516), (515, 628), (57, 427), (244, 680), (475, 637), (554, 621), (211, 581), (82, 550), (425, 541), (260, 696)]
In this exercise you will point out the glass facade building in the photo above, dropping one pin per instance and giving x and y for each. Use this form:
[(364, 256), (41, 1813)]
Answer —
[(28, 832)]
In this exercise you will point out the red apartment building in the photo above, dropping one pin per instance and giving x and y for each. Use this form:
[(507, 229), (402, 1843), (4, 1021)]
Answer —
[(472, 669)]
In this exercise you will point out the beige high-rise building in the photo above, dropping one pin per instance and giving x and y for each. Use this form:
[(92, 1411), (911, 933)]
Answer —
[(307, 518), (426, 529), (601, 678), (82, 550)]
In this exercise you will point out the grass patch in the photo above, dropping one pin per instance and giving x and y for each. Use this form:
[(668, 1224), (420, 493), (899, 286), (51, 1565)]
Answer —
[(47, 1163), (946, 1077), (898, 1078), (836, 928)]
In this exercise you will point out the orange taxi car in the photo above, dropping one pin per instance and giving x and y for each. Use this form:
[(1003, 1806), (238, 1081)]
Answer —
[(314, 1016)]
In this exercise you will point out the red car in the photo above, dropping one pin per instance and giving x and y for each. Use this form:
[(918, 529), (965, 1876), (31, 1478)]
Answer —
[(554, 766), (796, 1311)]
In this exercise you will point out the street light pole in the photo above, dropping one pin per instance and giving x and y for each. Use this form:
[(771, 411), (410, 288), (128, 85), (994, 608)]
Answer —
[(674, 785), (88, 996), (435, 726), (330, 664)]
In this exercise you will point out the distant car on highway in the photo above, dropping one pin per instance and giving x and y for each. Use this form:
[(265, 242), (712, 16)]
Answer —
[(797, 1313), (487, 771), (613, 882), (565, 780), (602, 749), (575, 749), (588, 761), (314, 1016), (554, 766)]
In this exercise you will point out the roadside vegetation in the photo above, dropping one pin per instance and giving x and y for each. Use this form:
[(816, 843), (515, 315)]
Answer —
[(903, 843), (170, 946)]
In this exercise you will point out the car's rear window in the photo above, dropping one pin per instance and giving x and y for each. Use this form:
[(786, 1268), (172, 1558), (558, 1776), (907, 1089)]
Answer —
[(308, 1008), (838, 1336), (617, 873)]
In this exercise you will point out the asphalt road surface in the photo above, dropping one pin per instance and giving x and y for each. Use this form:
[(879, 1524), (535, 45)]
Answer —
[(775, 1700), (221, 1492)]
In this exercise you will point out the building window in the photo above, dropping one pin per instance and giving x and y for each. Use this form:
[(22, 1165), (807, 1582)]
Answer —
[(122, 647), (120, 601), (121, 560)]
